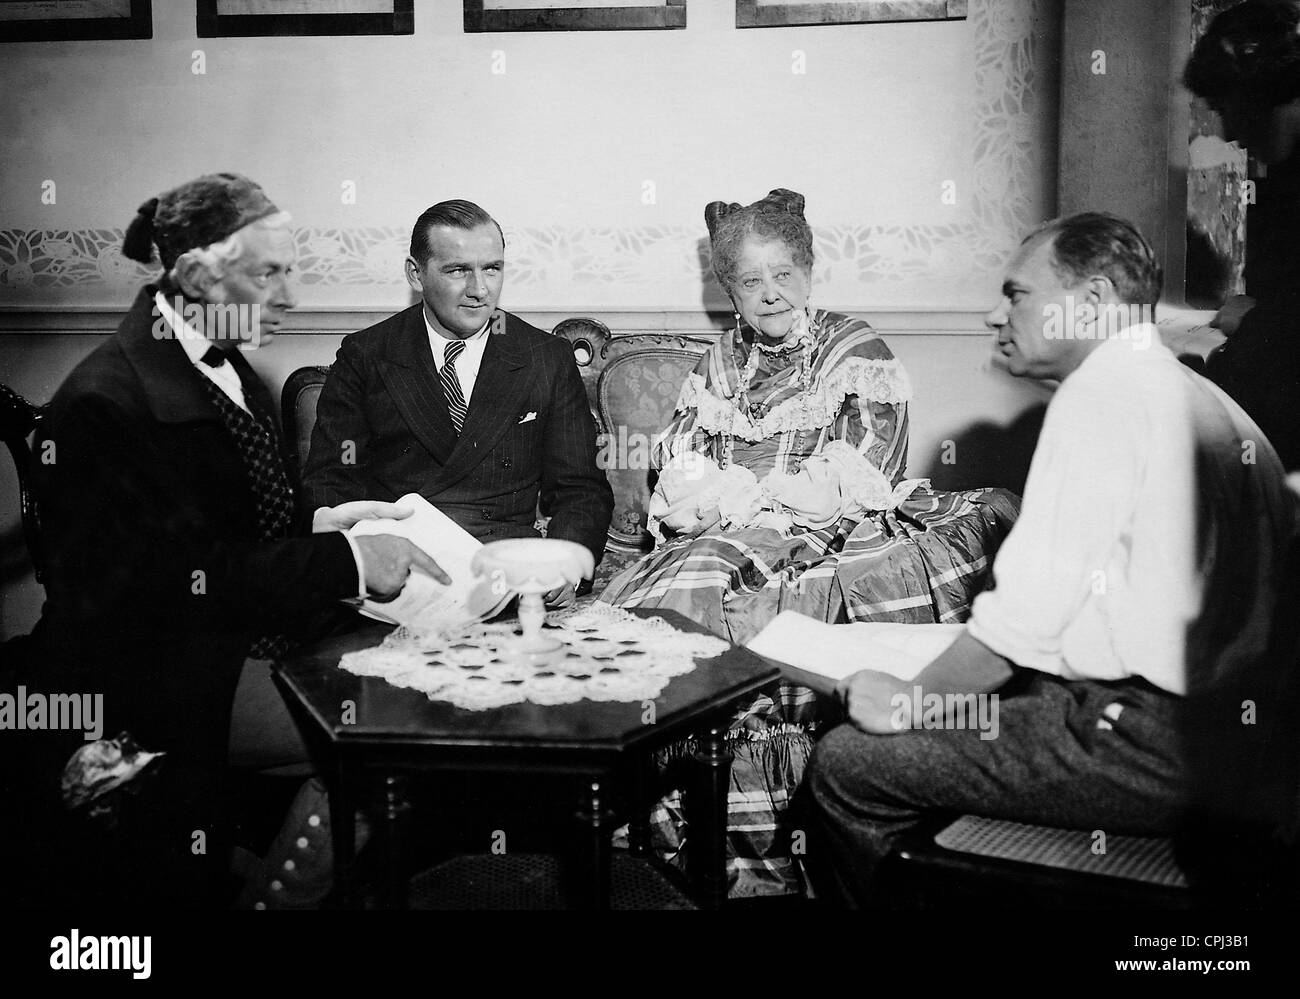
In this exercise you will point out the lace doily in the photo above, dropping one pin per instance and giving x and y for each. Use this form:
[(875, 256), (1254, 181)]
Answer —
[(608, 655)]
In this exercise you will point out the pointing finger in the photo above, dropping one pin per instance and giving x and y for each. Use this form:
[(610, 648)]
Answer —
[(421, 561)]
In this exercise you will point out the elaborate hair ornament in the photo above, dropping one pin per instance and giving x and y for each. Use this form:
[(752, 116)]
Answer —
[(778, 200)]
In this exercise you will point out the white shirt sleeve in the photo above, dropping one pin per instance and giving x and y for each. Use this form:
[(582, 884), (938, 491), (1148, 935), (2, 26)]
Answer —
[(1078, 505)]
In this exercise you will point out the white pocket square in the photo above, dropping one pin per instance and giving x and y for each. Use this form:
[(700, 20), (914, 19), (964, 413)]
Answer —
[(527, 417)]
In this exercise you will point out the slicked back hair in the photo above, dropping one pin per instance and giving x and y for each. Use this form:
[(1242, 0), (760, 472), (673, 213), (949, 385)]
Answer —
[(1099, 243), (454, 214)]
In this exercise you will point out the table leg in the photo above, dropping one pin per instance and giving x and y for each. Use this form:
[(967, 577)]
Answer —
[(638, 827), (396, 809), (588, 880), (343, 834), (706, 818)]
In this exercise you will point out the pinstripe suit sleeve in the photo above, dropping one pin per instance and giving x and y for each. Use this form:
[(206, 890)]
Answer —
[(340, 438), (574, 490)]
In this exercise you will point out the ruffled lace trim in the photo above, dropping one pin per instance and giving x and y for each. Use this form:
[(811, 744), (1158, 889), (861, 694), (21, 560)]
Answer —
[(882, 381)]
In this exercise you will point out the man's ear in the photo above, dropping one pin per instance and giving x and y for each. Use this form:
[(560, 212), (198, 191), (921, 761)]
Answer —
[(1100, 291), (194, 278), (1089, 297), (414, 275)]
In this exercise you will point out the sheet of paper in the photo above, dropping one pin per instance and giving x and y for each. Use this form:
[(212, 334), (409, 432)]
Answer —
[(424, 602), (835, 651)]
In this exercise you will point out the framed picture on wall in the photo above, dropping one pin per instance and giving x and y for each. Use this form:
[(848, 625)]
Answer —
[(244, 18), (58, 20), (783, 13), (573, 15)]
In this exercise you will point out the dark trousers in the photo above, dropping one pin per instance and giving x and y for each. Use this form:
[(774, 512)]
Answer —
[(1064, 755)]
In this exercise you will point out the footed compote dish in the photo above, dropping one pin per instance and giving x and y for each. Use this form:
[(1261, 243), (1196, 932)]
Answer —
[(531, 567)]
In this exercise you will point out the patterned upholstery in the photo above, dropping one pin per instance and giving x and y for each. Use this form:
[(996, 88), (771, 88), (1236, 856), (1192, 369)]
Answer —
[(298, 408), (635, 399)]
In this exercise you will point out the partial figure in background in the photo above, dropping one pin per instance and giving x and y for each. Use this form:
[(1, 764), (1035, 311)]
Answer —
[(1247, 67), (782, 487)]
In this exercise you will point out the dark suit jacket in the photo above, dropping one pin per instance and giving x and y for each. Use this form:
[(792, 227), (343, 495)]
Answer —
[(382, 430), (157, 578)]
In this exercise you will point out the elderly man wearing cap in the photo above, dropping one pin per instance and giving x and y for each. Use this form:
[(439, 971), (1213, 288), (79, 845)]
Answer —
[(179, 561)]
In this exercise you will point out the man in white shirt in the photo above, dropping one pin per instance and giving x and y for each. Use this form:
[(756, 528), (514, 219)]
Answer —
[(459, 401), (1144, 567)]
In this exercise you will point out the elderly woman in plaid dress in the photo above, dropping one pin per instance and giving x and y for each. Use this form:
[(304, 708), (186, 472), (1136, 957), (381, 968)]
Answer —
[(782, 487)]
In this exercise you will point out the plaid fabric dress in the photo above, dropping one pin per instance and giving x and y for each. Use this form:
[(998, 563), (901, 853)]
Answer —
[(923, 561)]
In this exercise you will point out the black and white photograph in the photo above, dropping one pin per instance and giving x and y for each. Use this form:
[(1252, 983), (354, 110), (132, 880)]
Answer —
[(818, 463)]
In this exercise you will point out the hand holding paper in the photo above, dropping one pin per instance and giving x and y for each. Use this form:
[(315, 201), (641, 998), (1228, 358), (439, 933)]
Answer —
[(820, 655), (869, 698), (345, 515), (388, 562), (449, 595)]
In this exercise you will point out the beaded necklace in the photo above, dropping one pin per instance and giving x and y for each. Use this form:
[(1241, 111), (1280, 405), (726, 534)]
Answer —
[(804, 343)]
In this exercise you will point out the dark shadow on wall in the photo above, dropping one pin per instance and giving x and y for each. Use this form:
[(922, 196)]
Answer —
[(989, 454), (712, 296)]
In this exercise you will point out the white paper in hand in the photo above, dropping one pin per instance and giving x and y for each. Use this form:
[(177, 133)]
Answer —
[(819, 655), (424, 602)]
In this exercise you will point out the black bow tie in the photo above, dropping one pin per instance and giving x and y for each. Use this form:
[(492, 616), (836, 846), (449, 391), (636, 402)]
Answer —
[(214, 358)]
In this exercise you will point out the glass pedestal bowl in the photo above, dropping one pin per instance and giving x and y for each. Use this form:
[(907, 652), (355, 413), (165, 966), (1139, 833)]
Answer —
[(531, 567)]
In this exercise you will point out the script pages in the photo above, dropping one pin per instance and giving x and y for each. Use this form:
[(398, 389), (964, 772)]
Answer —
[(424, 603), (819, 655)]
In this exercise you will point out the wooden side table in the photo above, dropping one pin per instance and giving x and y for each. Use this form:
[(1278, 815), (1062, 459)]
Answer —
[(366, 733)]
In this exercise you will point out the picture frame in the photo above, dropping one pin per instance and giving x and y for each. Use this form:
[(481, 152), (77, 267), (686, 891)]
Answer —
[(91, 20), (784, 13), (252, 18), (543, 15)]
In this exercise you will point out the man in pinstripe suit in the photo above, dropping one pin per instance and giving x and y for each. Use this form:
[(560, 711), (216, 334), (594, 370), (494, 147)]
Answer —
[(467, 405)]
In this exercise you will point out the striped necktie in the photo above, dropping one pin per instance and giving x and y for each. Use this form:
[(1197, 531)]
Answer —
[(451, 384)]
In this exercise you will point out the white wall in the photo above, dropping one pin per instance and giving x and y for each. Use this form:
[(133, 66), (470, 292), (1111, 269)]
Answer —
[(559, 147)]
